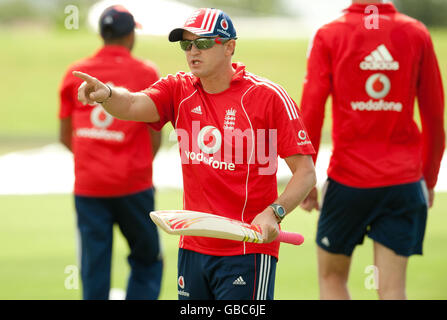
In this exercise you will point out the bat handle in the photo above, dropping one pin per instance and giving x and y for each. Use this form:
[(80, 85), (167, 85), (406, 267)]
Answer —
[(290, 237)]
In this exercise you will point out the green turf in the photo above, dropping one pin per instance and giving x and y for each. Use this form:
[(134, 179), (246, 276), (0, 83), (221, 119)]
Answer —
[(38, 237), (33, 63)]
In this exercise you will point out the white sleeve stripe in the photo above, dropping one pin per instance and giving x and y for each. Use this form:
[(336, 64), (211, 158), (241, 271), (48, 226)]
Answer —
[(281, 96), (291, 103), (286, 105), (274, 88)]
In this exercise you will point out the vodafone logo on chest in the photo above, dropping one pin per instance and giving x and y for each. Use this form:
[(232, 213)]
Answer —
[(209, 139)]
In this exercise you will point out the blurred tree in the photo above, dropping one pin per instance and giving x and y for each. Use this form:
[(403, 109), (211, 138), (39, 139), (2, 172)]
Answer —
[(245, 7), (11, 11), (430, 12), (47, 12)]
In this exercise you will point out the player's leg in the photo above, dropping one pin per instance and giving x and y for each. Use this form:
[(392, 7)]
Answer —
[(398, 233), (242, 277), (145, 259), (95, 225), (192, 280), (344, 216), (333, 272), (392, 273)]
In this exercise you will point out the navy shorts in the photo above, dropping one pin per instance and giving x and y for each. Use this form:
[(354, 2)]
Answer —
[(393, 216), (242, 277)]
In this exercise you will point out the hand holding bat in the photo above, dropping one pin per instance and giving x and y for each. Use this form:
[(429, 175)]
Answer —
[(268, 224), (194, 223)]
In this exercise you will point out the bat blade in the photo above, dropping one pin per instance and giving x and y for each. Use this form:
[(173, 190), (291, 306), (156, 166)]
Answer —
[(194, 223)]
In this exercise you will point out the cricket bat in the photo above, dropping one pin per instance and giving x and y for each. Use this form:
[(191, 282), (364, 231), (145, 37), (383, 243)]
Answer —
[(194, 223)]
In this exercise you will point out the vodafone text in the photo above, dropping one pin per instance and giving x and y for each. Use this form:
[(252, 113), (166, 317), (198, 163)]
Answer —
[(377, 106), (209, 161)]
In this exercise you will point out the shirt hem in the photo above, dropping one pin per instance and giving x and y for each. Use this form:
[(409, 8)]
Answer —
[(349, 183), (105, 194), (214, 252)]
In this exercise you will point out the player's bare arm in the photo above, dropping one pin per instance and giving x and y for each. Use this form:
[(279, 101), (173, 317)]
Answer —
[(119, 102), (301, 183), (65, 132)]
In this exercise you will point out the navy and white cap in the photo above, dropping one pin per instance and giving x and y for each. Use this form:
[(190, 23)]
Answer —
[(206, 22), (116, 21)]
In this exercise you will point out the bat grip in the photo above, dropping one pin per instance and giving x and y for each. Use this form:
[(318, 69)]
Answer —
[(290, 237)]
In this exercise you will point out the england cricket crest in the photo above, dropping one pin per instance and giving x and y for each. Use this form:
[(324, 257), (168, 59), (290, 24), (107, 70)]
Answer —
[(230, 119)]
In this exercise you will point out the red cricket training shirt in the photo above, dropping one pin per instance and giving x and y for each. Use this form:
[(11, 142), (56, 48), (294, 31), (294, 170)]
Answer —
[(229, 143), (374, 69), (112, 157)]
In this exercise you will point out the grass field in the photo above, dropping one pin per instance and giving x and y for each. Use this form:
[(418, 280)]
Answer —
[(38, 234), (33, 63), (38, 239)]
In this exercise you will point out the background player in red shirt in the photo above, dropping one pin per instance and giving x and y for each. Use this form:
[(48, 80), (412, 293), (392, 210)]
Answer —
[(374, 62), (113, 166), (227, 121)]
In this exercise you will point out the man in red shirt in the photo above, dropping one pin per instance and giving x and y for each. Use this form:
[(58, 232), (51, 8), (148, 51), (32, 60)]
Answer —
[(374, 62), (231, 126), (113, 166)]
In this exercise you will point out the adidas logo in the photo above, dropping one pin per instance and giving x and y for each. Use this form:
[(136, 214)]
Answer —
[(379, 59), (239, 282), (325, 241), (197, 110)]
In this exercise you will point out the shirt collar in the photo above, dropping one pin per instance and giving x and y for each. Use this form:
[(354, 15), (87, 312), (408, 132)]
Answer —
[(113, 50), (383, 7)]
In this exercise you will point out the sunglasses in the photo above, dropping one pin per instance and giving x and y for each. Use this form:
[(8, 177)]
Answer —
[(201, 43)]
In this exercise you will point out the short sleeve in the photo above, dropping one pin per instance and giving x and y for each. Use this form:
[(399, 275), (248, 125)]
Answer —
[(162, 93), (292, 136)]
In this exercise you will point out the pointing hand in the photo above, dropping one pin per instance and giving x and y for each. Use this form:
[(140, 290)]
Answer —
[(92, 90)]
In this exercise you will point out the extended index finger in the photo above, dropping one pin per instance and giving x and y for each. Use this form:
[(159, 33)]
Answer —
[(83, 76)]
